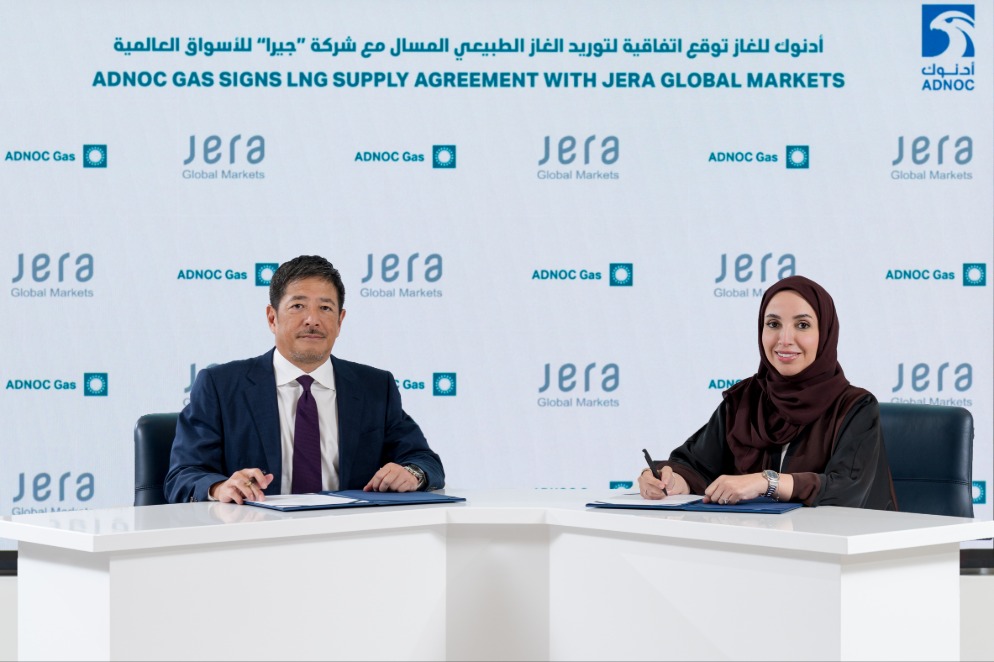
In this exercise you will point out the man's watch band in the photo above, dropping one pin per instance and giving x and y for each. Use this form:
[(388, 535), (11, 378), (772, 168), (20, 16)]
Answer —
[(418, 473)]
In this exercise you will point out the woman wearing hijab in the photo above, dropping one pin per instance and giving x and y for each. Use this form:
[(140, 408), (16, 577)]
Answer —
[(797, 430)]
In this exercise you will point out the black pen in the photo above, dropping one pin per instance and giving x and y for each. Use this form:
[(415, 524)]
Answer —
[(653, 469)]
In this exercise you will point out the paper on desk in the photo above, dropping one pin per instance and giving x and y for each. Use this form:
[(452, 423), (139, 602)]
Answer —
[(297, 500), (634, 499)]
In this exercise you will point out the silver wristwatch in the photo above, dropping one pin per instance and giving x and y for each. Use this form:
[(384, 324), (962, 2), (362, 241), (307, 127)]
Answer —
[(418, 473), (773, 478)]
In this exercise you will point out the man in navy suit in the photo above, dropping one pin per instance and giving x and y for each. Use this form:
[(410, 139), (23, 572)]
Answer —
[(235, 440)]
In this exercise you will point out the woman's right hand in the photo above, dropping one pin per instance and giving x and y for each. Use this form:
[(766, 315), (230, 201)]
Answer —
[(652, 488)]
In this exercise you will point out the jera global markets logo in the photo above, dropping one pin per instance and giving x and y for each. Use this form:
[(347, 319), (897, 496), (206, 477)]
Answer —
[(402, 275), (39, 490), (948, 48), (580, 158), (224, 157), (52, 276), (925, 158), (590, 383), (619, 274), (934, 384), (748, 274)]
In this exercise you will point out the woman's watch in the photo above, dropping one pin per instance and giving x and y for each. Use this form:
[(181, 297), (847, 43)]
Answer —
[(773, 478), (418, 473)]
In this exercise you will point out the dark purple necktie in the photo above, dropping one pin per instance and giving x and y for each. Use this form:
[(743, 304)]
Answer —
[(306, 442)]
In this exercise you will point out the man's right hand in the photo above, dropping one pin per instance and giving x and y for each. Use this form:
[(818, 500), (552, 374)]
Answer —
[(244, 484)]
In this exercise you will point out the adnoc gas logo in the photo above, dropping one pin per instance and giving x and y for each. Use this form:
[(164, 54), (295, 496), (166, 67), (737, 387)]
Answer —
[(264, 272), (94, 384), (94, 156), (619, 274), (974, 274), (443, 156), (979, 492), (949, 48), (442, 384), (798, 157), (229, 274)]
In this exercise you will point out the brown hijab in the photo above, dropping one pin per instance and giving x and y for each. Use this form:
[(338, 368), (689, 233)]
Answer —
[(769, 410)]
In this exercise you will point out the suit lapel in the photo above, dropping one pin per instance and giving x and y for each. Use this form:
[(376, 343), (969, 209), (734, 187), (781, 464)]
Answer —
[(349, 410), (260, 400)]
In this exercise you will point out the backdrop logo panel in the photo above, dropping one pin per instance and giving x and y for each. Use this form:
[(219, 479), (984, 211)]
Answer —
[(94, 156), (443, 383), (226, 274), (928, 151), (36, 492), (942, 384), (589, 382), (443, 156), (51, 276), (233, 157), (930, 275), (39, 156), (798, 157), (746, 275), (95, 383), (619, 274), (410, 271), (948, 47), (264, 273), (975, 274), (579, 158)]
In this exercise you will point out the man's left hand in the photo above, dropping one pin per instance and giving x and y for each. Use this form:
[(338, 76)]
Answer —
[(392, 478)]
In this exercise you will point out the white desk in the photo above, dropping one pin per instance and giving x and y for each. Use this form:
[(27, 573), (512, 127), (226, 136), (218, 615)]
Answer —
[(507, 575)]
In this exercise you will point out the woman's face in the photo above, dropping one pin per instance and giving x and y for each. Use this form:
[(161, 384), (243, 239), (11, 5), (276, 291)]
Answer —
[(790, 333)]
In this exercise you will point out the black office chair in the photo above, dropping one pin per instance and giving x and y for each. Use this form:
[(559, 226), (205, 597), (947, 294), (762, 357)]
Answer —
[(153, 442), (930, 450)]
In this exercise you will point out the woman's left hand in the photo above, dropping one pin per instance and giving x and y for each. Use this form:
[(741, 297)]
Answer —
[(732, 489)]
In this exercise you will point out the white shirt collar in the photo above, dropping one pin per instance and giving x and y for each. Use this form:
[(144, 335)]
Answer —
[(287, 372)]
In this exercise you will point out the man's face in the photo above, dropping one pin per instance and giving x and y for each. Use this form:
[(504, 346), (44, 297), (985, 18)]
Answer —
[(307, 323)]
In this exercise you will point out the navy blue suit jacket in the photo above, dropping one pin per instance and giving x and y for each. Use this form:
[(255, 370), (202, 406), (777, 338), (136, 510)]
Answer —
[(233, 422)]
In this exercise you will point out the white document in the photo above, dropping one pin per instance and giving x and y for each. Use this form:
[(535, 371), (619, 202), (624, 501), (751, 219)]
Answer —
[(636, 498), (297, 500)]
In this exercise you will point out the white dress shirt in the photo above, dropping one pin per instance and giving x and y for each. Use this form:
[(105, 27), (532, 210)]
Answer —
[(288, 391)]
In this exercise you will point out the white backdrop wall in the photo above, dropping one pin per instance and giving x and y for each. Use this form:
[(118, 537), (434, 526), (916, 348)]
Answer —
[(819, 148)]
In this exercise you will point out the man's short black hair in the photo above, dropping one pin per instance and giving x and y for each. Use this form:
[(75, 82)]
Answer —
[(305, 266)]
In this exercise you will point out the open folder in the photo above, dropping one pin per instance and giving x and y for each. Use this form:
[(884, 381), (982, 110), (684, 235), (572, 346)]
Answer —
[(350, 499), (694, 503)]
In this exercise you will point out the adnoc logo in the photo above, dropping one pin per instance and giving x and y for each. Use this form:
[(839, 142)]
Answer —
[(94, 156), (443, 383), (264, 273), (621, 274), (948, 30), (979, 492), (798, 157), (947, 40), (95, 383), (975, 274), (443, 156)]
